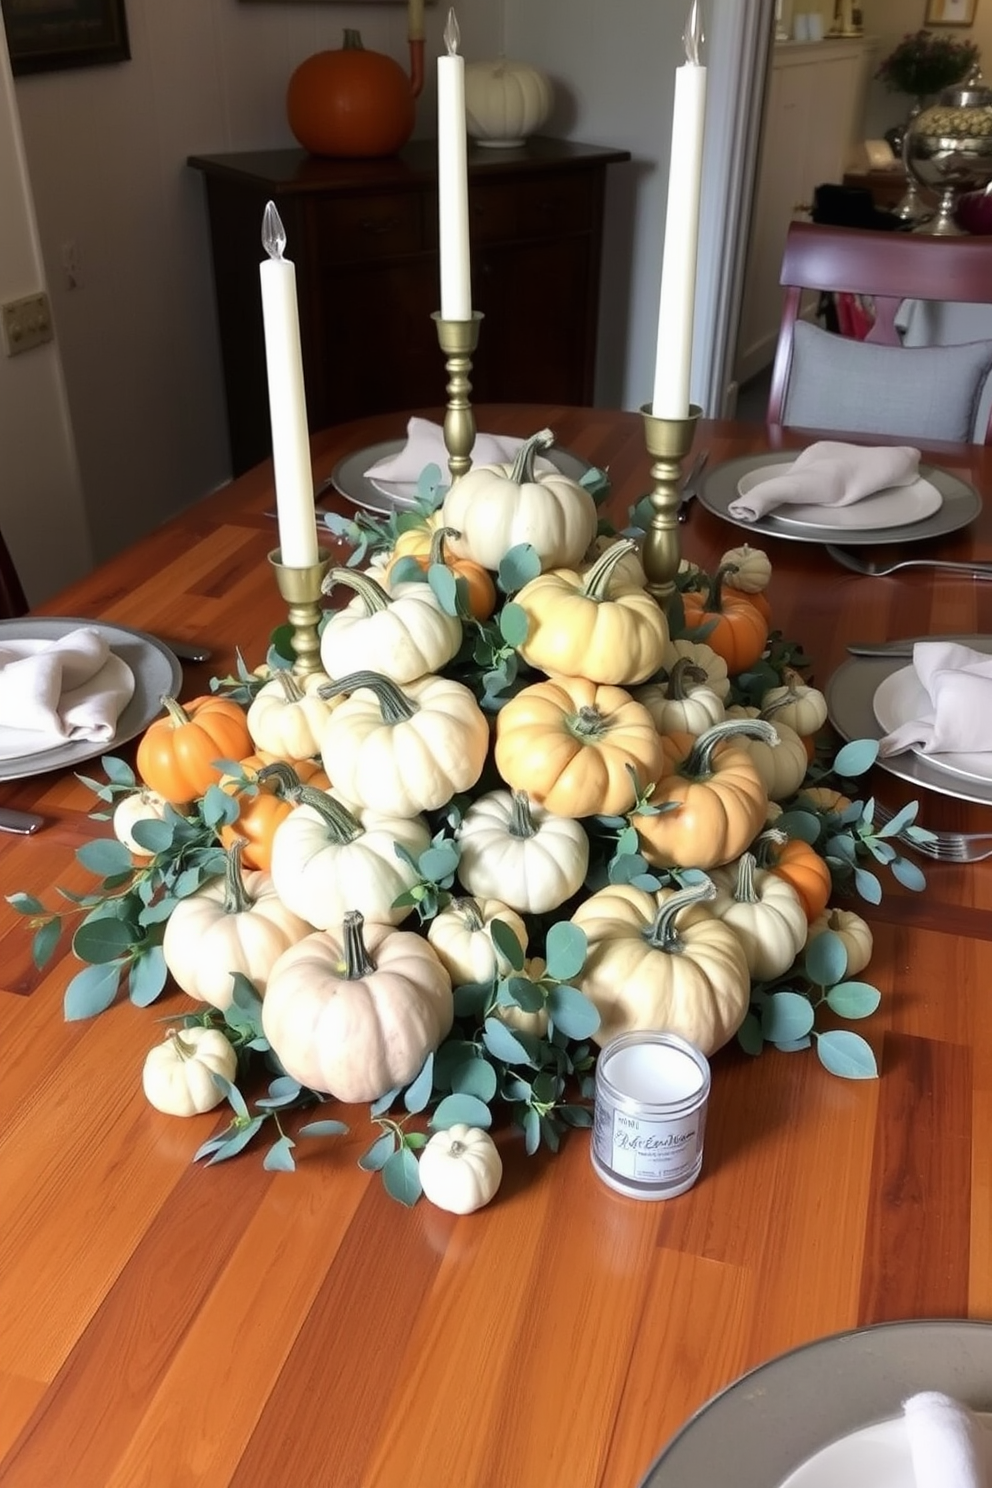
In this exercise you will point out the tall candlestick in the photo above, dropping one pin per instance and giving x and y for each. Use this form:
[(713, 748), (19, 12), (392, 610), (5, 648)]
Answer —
[(673, 361), (287, 400), (452, 180)]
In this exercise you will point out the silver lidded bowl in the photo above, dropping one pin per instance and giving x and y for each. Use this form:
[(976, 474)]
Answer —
[(948, 149)]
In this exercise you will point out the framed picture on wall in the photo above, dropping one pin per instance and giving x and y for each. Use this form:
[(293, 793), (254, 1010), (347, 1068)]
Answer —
[(950, 13), (43, 35)]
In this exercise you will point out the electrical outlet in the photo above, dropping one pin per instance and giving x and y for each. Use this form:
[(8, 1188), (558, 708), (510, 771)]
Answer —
[(26, 323)]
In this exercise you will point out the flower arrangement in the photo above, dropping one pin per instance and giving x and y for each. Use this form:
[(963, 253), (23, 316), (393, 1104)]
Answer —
[(521, 811), (924, 62)]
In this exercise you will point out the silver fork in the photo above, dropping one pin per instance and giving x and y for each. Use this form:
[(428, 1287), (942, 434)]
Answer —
[(946, 847), (870, 566)]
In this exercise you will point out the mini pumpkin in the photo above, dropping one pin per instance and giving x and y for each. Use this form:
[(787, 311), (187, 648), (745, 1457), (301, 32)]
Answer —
[(515, 850), (462, 936), (177, 1076), (403, 634), (738, 630), (460, 1168), (765, 912), (180, 755), (287, 716), (480, 591), (854, 932), (685, 704)]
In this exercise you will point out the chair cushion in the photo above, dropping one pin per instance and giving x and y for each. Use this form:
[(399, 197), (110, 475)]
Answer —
[(917, 393)]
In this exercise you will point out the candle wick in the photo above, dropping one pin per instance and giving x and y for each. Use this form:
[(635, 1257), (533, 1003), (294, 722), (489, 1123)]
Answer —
[(273, 232), (452, 35), (692, 36)]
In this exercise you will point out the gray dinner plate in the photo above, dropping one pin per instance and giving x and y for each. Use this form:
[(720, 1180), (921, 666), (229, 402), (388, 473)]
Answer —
[(765, 1425), (960, 505), (157, 674), (850, 693), (349, 478)]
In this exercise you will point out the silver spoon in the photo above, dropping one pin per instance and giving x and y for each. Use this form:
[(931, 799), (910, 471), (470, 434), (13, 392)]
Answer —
[(870, 566)]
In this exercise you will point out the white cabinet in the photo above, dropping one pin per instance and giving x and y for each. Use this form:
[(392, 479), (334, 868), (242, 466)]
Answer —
[(814, 108)]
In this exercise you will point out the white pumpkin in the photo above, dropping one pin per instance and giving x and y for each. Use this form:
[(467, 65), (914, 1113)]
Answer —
[(706, 659), (407, 749), (357, 1012), (177, 1076), (802, 707), (327, 860), (514, 850), (765, 912), (287, 716), (237, 923), (752, 569), (462, 936), (140, 805), (783, 766), (535, 1023), (403, 634), (505, 101), (460, 1168), (495, 507), (686, 704), (855, 934)]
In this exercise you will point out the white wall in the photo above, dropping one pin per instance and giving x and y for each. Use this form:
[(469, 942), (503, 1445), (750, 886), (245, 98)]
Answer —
[(41, 503)]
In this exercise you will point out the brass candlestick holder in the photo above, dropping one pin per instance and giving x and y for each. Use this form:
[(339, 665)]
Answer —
[(668, 442), (458, 339), (301, 589)]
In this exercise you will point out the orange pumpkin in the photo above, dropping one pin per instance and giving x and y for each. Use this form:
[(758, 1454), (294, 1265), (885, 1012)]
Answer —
[(739, 632), (350, 102), (803, 868), (481, 589), (178, 754), (263, 809)]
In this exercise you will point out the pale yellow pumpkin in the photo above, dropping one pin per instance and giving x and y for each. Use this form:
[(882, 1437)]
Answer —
[(782, 766), (704, 657), (177, 1075), (765, 912), (751, 569), (461, 934)]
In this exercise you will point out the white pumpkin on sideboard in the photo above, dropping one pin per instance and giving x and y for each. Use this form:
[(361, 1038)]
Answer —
[(505, 101)]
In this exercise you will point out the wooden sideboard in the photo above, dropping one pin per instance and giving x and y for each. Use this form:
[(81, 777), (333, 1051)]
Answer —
[(363, 236)]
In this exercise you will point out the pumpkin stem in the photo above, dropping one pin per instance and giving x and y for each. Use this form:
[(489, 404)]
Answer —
[(521, 823), (283, 774), (744, 890), (372, 595), (683, 677), (183, 1049), (783, 702), (394, 705), (237, 899), (523, 465), (357, 961), (588, 723), (438, 538), (342, 827), (598, 582), (699, 761), (662, 935), (468, 910), (292, 691), (714, 598), (766, 844), (176, 712)]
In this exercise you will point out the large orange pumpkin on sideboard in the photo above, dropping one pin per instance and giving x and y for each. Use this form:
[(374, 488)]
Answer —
[(350, 102)]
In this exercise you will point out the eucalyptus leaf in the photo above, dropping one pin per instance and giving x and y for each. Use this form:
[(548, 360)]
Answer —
[(104, 856), (856, 758), (513, 624), (407, 571), (549, 1132), (575, 1115), (902, 819), (279, 1158), (219, 808), (245, 996), (867, 886), (382, 1105), (507, 944), (846, 1054), (439, 863), (452, 1053), (444, 587), (786, 1017), (572, 1012), (802, 825), (474, 1077), (379, 1153), (520, 992), (418, 1092), (401, 1177), (792, 1046), (531, 1123), (324, 1129), (46, 938), (281, 646), (908, 874), (503, 1044), (157, 913), (853, 999), (565, 953), (101, 940), (456, 1108), (25, 904), (825, 959), (147, 976), (91, 991), (117, 771), (236, 1142), (471, 999), (153, 835), (233, 1094), (281, 1092), (517, 567)]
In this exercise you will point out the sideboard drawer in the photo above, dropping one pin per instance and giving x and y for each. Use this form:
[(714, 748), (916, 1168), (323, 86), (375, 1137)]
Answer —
[(362, 227), (538, 208)]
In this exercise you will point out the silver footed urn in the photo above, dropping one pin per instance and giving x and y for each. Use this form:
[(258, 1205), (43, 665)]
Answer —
[(948, 150)]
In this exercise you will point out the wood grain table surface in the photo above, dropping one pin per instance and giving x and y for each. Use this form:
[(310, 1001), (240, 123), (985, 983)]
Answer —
[(164, 1325)]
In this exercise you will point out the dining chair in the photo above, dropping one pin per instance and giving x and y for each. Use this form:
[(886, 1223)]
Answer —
[(877, 385), (13, 601)]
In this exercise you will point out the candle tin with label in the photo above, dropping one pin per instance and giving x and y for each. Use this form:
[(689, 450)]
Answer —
[(650, 1114)]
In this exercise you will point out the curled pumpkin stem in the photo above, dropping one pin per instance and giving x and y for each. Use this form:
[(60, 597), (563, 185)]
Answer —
[(698, 763), (372, 595), (237, 899), (523, 465), (662, 934), (598, 582), (394, 704)]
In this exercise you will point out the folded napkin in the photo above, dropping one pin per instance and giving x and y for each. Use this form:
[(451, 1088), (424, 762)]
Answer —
[(425, 446), (830, 474), (72, 688), (951, 1449), (958, 682)]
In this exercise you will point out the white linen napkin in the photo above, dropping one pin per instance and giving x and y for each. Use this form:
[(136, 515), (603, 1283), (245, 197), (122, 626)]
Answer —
[(958, 682), (829, 473), (72, 688), (425, 446), (951, 1449)]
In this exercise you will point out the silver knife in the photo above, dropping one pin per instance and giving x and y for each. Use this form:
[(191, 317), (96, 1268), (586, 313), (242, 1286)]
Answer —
[(22, 822), (905, 647), (185, 650)]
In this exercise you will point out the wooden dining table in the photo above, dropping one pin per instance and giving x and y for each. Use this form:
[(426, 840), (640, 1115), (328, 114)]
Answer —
[(165, 1324)]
